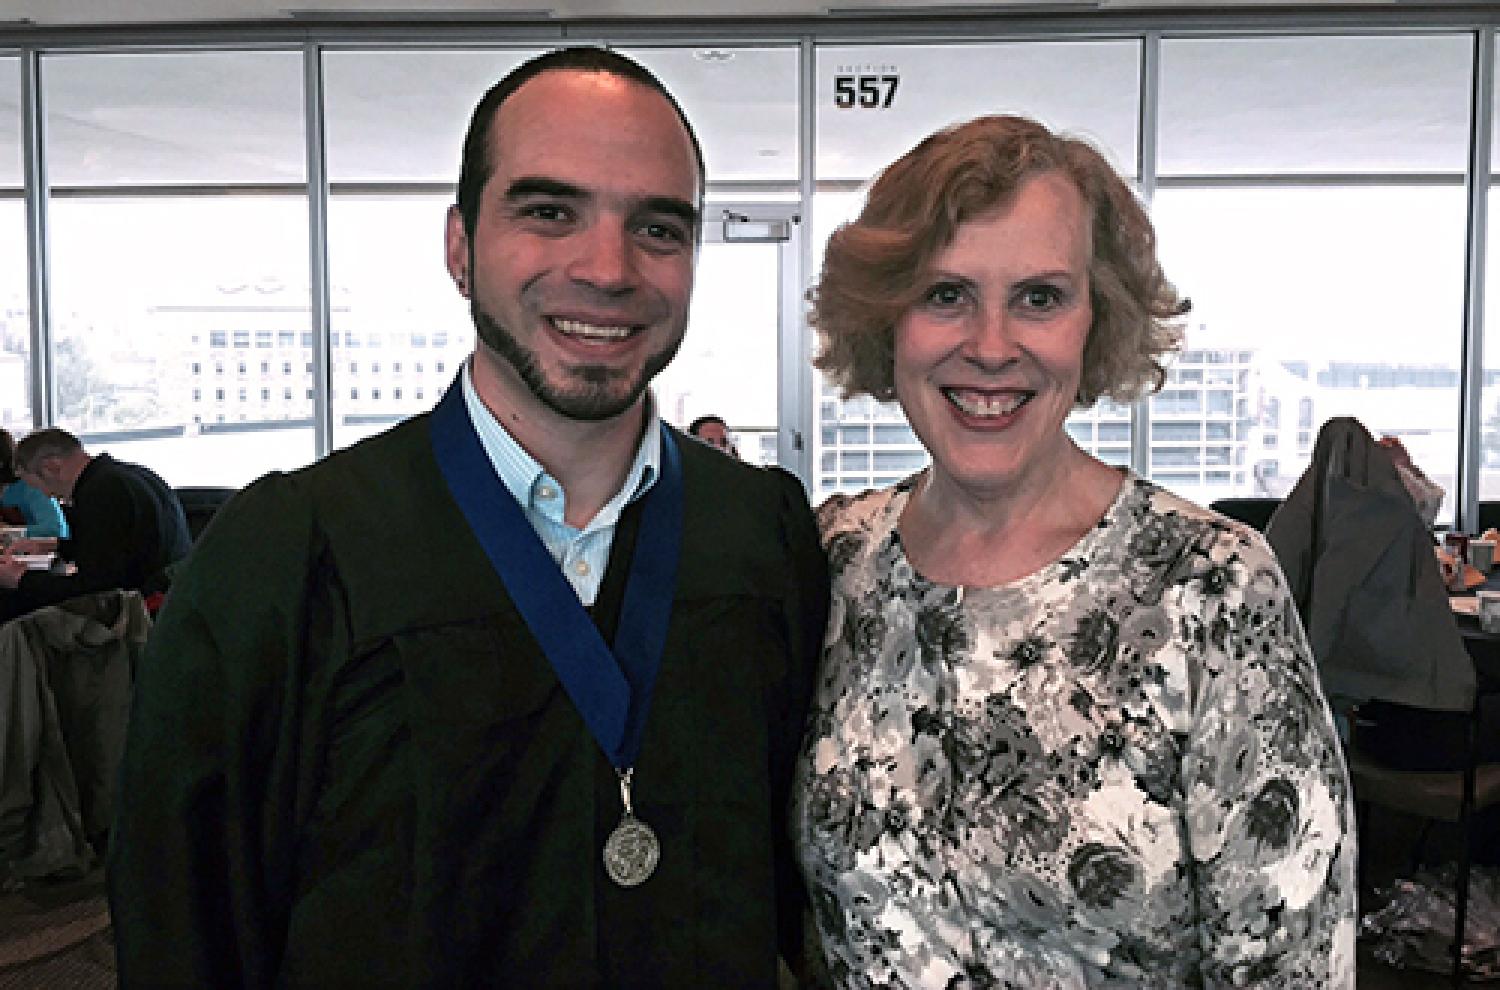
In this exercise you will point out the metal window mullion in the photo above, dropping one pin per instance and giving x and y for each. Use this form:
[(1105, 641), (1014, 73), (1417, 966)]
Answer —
[(1140, 410), (795, 441), (320, 299), (837, 25), (790, 435), (1471, 427), (38, 253)]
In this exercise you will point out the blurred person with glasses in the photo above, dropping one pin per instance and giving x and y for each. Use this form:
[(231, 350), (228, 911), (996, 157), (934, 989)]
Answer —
[(713, 431)]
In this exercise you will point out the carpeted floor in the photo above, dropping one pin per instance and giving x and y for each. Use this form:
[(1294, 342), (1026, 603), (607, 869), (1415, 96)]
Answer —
[(56, 936)]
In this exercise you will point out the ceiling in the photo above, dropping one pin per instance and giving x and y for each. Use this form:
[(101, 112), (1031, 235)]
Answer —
[(66, 13)]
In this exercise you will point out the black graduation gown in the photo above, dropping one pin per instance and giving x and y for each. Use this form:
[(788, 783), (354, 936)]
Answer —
[(349, 762)]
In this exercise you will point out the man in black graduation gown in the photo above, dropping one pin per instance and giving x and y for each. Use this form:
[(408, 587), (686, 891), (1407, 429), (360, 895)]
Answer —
[(359, 755)]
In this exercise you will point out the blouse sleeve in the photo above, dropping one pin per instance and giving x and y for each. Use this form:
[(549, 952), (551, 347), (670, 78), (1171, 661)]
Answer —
[(48, 520), (43, 515), (1269, 825)]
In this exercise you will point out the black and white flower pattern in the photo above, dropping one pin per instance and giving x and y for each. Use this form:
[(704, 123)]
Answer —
[(1118, 771)]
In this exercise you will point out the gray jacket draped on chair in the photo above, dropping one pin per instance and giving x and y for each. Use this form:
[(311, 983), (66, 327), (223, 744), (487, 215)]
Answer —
[(1361, 567), (65, 687)]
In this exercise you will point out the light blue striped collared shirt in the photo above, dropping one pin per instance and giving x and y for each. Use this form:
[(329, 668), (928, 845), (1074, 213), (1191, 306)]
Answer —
[(581, 553)]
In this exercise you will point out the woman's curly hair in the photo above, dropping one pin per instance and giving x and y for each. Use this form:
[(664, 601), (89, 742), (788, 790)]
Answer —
[(874, 268)]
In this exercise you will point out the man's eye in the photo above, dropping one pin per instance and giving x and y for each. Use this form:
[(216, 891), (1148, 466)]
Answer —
[(545, 211), (668, 232)]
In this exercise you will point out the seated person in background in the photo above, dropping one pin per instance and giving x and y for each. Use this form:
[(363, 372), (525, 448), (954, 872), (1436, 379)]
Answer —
[(127, 525), (25, 505), (713, 431)]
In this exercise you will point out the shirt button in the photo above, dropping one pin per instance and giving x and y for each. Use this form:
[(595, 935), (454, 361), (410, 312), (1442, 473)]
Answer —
[(546, 491), (581, 568)]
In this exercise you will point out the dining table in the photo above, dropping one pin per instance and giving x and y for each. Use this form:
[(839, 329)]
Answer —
[(1483, 647)]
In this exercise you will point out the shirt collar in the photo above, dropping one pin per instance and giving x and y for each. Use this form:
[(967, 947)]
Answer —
[(520, 472)]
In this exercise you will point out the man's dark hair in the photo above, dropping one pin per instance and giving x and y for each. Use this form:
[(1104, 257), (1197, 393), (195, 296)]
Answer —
[(703, 421), (477, 166), (51, 442)]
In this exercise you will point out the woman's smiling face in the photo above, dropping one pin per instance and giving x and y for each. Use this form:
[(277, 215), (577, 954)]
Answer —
[(987, 363)]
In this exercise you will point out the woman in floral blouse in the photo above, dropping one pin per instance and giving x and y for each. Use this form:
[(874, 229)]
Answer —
[(1068, 731)]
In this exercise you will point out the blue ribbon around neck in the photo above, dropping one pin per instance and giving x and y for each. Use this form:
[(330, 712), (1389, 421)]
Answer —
[(611, 690)]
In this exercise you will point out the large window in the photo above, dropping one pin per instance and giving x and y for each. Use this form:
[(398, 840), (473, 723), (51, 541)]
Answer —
[(1311, 204), (179, 246), (1308, 189), (395, 126), (727, 365), (743, 105), (15, 310)]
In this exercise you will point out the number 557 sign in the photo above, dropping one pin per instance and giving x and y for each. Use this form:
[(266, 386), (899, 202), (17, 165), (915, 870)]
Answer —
[(870, 92)]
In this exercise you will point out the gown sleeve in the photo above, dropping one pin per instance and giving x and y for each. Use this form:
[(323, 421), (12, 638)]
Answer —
[(215, 778)]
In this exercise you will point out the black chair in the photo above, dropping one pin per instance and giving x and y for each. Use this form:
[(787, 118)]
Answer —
[(1253, 512), (1452, 796), (1489, 517), (200, 504)]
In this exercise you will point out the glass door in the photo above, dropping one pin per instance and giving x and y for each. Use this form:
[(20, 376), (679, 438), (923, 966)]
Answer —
[(743, 320)]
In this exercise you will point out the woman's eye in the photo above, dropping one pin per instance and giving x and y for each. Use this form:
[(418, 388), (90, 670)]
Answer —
[(945, 294), (1040, 296)]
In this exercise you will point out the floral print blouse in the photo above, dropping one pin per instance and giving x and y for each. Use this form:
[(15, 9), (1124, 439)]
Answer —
[(1118, 771)]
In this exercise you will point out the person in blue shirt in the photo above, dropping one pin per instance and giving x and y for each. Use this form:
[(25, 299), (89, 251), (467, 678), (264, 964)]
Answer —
[(38, 511)]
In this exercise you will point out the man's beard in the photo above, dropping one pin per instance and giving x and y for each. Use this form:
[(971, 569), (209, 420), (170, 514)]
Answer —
[(593, 399)]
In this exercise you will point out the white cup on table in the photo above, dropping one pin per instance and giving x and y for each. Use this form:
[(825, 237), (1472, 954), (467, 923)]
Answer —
[(1489, 610), (1482, 554)]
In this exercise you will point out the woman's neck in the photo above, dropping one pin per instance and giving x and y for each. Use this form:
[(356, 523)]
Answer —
[(956, 535)]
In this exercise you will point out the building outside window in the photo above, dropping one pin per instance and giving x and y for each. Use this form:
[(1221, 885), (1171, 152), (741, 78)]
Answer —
[(1299, 233)]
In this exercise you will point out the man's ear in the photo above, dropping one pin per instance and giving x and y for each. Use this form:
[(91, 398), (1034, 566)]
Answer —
[(456, 242)]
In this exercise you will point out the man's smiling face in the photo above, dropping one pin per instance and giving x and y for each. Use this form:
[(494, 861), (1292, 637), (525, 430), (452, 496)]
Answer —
[(580, 268)]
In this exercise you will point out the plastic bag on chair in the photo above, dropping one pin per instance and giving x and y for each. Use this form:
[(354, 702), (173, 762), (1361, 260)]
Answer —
[(1415, 928)]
